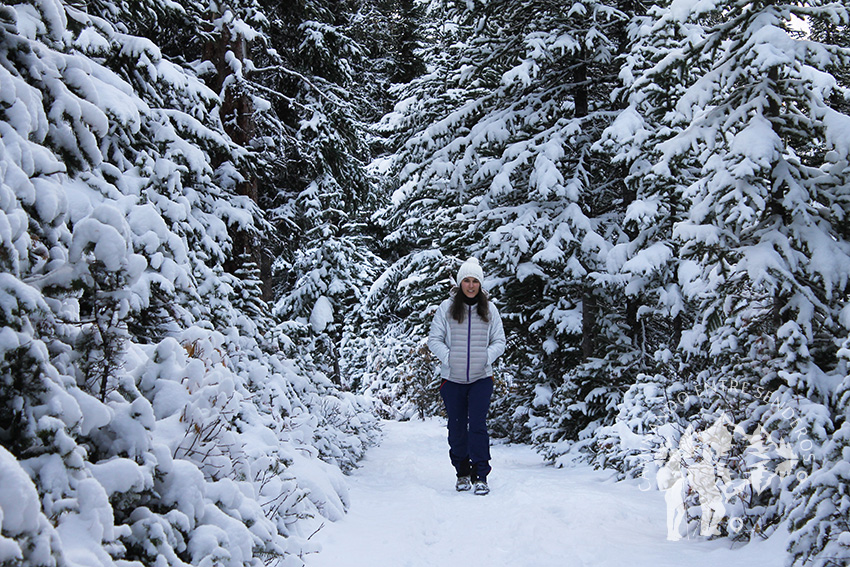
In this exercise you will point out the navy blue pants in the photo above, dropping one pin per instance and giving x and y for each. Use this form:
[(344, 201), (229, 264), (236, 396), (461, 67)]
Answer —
[(469, 442)]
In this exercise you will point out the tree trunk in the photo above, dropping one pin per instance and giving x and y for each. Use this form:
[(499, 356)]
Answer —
[(588, 320), (237, 116)]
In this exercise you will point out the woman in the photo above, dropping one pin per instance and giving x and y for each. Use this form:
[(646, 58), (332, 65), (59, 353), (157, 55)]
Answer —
[(467, 336)]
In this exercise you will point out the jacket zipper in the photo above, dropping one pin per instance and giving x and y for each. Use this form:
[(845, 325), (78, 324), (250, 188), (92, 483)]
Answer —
[(468, 341)]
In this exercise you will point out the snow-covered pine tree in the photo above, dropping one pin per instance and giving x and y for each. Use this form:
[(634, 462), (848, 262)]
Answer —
[(821, 504), (823, 27), (418, 212), (76, 264), (646, 265), (762, 251), (316, 184), (549, 210), (407, 39), (109, 178), (417, 274), (389, 33), (427, 110), (818, 518), (33, 238), (498, 163), (399, 369)]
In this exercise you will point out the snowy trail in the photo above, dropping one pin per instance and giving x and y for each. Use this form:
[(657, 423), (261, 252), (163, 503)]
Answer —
[(405, 513)]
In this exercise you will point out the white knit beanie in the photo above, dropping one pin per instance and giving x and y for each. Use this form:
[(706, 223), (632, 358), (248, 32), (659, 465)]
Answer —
[(470, 268)]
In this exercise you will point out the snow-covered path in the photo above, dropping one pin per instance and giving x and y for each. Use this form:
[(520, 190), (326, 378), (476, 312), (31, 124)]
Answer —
[(405, 513)]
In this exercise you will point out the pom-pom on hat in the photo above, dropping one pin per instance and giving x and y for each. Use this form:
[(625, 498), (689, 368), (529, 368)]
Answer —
[(470, 269)]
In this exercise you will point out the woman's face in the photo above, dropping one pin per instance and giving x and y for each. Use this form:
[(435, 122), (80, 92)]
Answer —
[(470, 287)]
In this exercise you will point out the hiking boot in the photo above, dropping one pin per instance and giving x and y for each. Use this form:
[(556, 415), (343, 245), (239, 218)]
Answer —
[(481, 487), (463, 483)]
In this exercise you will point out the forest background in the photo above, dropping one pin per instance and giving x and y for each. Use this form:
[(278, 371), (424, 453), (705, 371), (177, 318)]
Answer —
[(226, 225)]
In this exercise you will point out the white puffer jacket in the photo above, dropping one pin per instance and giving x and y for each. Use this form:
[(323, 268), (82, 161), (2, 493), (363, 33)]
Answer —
[(466, 350)]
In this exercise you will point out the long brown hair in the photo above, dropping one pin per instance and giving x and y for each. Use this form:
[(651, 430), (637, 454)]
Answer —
[(458, 306)]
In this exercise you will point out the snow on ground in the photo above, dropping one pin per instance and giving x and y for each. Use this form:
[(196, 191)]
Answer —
[(405, 512)]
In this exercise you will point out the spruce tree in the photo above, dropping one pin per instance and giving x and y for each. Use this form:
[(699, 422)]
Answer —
[(765, 209), (498, 163), (646, 263), (129, 370), (818, 519)]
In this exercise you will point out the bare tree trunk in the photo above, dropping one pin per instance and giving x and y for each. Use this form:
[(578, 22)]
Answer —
[(588, 327)]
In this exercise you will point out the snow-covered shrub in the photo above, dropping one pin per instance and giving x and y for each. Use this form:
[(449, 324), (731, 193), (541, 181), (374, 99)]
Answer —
[(26, 535), (147, 416)]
